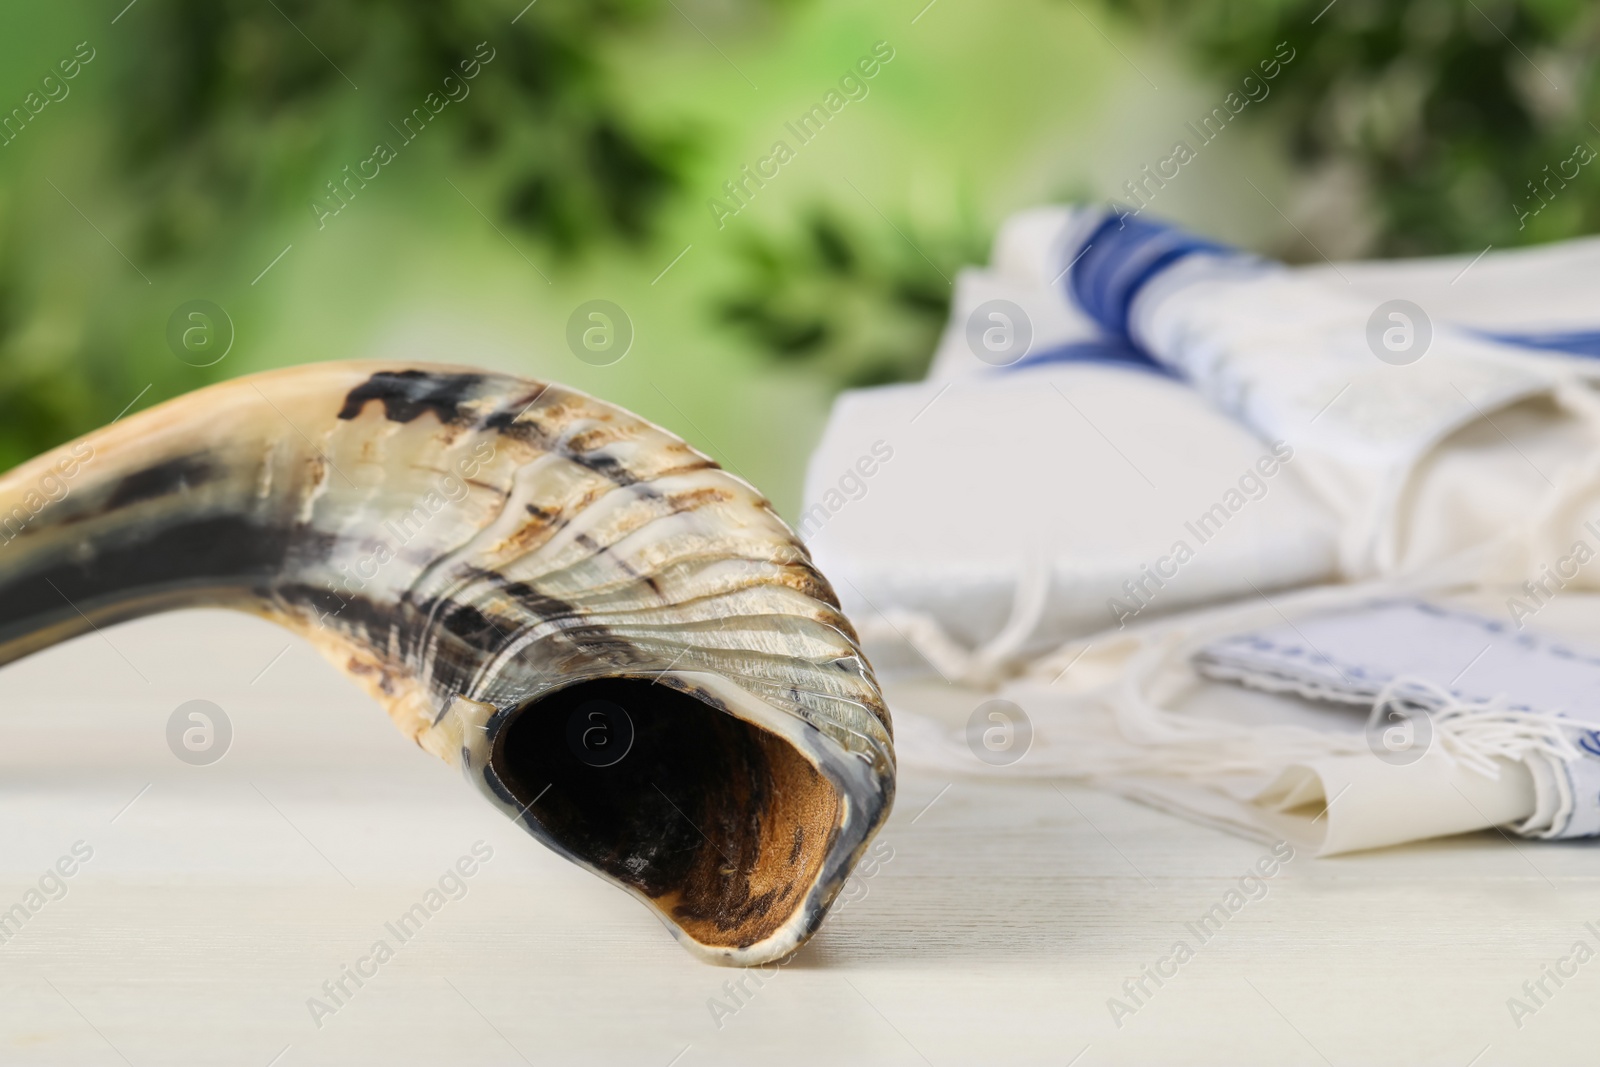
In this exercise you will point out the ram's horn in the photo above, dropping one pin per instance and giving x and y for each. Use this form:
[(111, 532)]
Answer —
[(619, 643)]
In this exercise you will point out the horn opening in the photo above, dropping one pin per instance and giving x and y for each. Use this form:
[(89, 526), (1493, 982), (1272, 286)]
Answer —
[(724, 826)]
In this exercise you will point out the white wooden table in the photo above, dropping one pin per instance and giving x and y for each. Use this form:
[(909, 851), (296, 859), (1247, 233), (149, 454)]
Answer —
[(219, 898)]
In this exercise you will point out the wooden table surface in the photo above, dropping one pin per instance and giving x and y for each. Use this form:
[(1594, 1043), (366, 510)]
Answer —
[(218, 899)]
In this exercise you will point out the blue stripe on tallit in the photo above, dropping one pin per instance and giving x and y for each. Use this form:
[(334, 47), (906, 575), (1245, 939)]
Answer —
[(1119, 259), (1572, 342), (1113, 353), (1107, 271)]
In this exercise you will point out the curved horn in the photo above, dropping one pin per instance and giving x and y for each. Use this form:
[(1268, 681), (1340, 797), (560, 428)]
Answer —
[(618, 642)]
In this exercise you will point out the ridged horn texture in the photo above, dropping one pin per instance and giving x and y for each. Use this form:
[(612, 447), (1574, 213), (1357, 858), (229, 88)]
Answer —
[(503, 564)]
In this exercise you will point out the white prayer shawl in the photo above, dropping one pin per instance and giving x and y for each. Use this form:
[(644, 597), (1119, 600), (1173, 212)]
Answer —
[(1043, 505)]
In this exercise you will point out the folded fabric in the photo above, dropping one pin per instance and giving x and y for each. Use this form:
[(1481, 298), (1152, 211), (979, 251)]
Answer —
[(1465, 469), (1541, 298), (1027, 269), (1414, 756), (992, 518), (1297, 359), (1293, 366), (1436, 676), (1085, 490)]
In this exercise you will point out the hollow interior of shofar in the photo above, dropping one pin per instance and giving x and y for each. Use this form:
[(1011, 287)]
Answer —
[(724, 825)]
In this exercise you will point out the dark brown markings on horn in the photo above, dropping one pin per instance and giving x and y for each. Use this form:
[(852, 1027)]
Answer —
[(608, 467), (371, 621), (351, 612), (469, 631), (534, 435), (540, 604), (594, 638), (802, 577), (585, 448), (545, 521), (171, 476), (515, 422), (476, 629), (694, 499), (589, 543), (529, 599), (132, 564), (408, 394)]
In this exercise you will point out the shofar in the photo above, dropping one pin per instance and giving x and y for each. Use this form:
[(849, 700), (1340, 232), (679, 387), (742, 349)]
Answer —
[(618, 642)]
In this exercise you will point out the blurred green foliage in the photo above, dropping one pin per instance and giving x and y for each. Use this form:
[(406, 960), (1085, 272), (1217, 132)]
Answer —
[(227, 106), (1444, 114), (198, 138), (224, 113), (861, 303), (1450, 123)]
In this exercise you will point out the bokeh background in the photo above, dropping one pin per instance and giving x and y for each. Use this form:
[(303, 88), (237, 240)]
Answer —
[(183, 160)]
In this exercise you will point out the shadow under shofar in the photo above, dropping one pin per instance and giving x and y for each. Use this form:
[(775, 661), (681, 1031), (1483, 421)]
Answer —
[(617, 642)]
